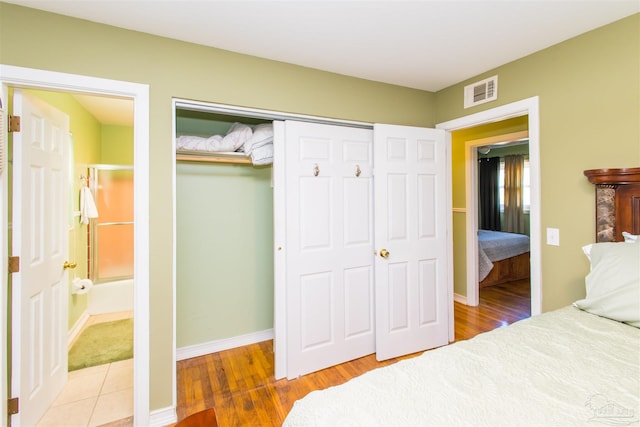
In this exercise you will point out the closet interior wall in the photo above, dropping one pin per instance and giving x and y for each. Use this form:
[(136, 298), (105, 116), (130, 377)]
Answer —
[(224, 240)]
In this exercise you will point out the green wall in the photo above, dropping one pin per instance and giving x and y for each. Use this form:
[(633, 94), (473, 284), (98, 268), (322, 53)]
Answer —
[(589, 89), (117, 145), (224, 251), (171, 68)]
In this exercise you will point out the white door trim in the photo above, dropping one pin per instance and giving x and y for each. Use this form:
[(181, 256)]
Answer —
[(48, 80), (531, 108), (4, 244)]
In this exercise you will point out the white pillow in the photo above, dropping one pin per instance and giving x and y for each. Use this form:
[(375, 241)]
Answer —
[(587, 250), (630, 238), (613, 284)]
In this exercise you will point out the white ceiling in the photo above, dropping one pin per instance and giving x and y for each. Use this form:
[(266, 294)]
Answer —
[(427, 44)]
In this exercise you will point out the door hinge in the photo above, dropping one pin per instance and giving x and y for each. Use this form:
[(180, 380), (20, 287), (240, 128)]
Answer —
[(13, 406), (14, 123), (14, 264)]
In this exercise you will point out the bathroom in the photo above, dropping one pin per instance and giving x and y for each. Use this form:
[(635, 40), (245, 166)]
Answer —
[(100, 242), (100, 251)]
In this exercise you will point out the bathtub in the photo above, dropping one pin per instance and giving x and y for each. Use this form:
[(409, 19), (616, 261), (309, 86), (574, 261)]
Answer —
[(110, 297)]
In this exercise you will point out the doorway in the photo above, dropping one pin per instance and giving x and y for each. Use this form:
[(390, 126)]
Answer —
[(18, 77), (468, 250), (500, 202), (490, 153), (99, 384)]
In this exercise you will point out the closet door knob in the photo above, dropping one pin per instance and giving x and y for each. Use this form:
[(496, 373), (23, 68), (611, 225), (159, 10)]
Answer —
[(384, 253), (68, 264)]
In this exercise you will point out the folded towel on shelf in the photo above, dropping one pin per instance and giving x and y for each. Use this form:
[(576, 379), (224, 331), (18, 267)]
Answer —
[(262, 155), (262, 135), (87, 205), (260, 145)]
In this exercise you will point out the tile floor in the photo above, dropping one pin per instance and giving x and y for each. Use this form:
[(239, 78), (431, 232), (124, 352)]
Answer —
[(94, 396)]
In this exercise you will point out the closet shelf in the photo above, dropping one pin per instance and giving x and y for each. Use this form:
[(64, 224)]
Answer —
[(220, 157)]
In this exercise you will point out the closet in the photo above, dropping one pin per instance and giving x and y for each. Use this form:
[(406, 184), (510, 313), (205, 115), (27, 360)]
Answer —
[(224, 240), (360, 259)]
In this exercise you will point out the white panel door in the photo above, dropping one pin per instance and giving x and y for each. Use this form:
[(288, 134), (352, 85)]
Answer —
[(410, 225), (328, 245), (40, 291)]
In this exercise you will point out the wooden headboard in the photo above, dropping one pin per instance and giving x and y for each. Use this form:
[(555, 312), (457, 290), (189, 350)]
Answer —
[(617, 202)]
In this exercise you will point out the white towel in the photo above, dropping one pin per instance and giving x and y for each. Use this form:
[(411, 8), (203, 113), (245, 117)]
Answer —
[(262, 135), (87, 206), (262, 155)]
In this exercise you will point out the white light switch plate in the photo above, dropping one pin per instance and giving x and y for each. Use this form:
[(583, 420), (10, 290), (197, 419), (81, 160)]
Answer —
[(553, 236)]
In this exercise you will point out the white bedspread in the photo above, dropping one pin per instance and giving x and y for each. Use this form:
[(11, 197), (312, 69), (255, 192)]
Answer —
[(496, 246), (561, 368)]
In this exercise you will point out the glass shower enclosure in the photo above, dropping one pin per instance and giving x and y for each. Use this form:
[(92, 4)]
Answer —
[(111, 235)]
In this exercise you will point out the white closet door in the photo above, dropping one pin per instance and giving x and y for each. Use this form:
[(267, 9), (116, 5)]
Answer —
[(410, 225), (329, 245), (329, 299)]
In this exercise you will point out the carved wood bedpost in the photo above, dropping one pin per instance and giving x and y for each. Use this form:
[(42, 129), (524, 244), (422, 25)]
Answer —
[(617, 190)]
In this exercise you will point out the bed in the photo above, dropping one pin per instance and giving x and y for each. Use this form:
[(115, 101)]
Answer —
[(574, 366), (502, 257)]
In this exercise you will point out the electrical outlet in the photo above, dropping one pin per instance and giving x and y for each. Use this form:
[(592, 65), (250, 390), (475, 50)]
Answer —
[(553, 236)]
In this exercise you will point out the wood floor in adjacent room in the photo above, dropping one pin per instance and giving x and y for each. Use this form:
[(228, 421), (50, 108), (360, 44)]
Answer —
[(239, 382)]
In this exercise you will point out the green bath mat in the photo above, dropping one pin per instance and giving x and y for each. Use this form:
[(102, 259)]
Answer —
[(102, 343)]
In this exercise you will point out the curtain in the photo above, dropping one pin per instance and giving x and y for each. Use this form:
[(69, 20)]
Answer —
[(514, 221), (489, 197)]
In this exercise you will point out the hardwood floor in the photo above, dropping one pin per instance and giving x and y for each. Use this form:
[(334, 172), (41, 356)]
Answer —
[(500, 305), (239, 382)]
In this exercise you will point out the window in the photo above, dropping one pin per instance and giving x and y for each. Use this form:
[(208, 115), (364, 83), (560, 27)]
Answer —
[(526, 184)]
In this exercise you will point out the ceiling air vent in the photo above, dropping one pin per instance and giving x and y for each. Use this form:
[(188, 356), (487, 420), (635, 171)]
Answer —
[(481, 92)]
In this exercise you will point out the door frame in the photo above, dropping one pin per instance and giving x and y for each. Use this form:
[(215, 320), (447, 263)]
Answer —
[(531, 108), (29, 78)]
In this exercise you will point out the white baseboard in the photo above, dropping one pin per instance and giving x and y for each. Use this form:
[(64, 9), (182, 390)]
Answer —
[(460, 298), (163, 417), (77, 327), (196, 350)]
